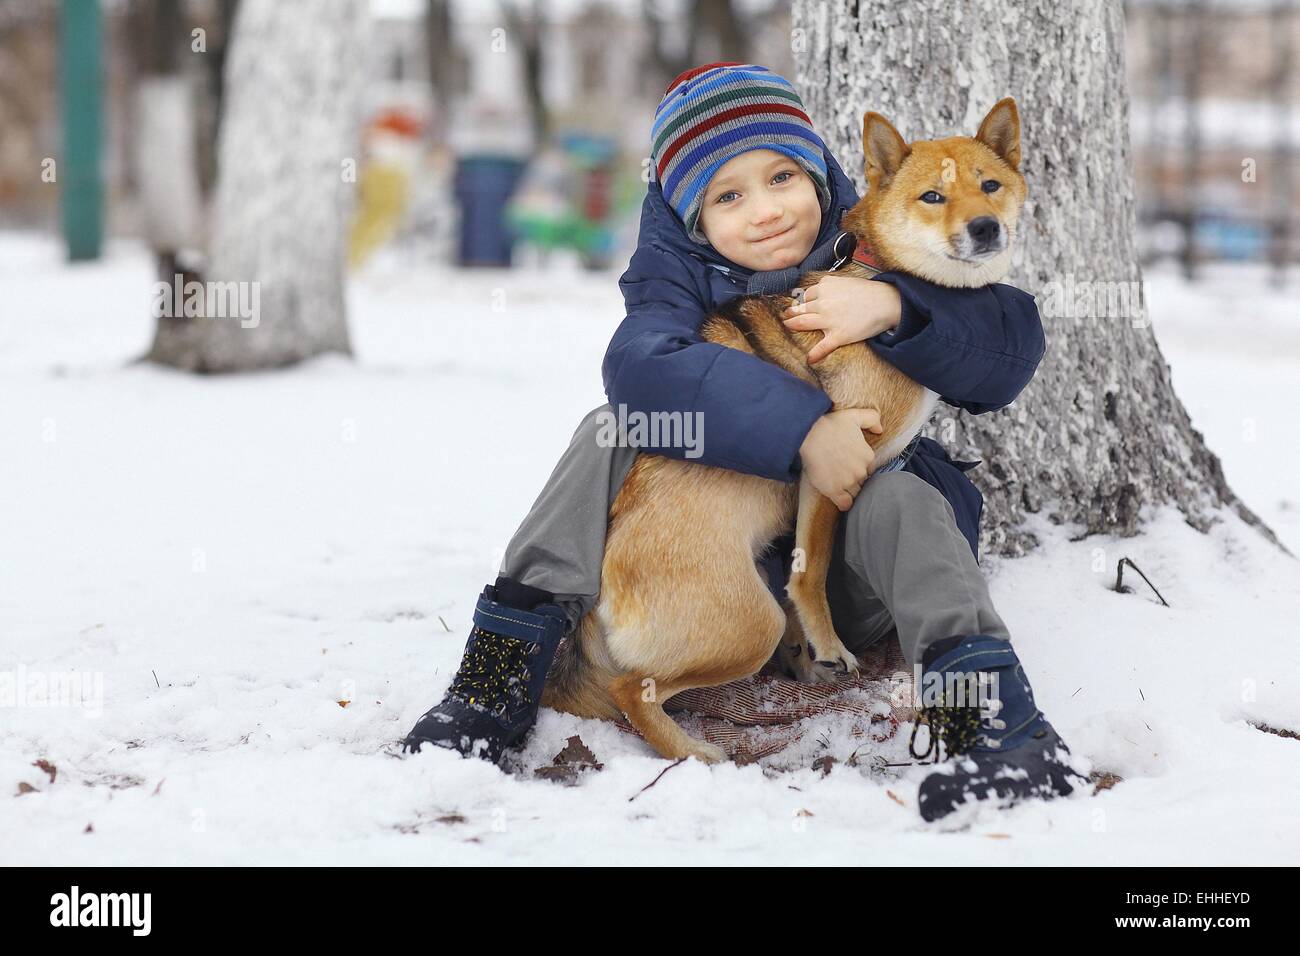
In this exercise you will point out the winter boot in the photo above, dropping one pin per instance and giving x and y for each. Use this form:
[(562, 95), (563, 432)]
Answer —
[(493, 699), (980, 707)]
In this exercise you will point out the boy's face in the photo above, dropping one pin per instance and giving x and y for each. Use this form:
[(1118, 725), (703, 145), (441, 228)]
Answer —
[(761, 211)]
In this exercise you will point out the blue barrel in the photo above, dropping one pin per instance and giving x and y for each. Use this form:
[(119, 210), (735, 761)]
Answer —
[(483, 185)]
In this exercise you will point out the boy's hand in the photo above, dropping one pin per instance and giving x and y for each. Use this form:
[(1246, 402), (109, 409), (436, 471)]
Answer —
[(835, 454), (846, 309)]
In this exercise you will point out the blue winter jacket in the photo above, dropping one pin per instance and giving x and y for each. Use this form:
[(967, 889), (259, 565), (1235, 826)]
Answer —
[(977, 348)]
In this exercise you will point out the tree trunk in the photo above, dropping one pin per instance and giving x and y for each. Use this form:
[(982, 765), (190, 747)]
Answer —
[(713, 25), (287, 158), (1099, 433), (446, 64), (527, 31), (164, 148)]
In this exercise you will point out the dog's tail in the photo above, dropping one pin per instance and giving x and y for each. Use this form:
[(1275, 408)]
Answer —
[(579, 678)]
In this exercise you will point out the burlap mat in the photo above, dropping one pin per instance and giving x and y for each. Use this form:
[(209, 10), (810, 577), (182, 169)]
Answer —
[(762, 715)]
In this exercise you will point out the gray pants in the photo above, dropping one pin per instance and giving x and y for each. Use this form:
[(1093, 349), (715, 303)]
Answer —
[(901, 568)]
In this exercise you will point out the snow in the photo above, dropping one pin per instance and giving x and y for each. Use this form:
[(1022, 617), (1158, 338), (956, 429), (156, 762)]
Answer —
[(231, 557)]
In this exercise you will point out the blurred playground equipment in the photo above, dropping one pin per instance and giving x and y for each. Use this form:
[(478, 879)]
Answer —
[(572, 196)]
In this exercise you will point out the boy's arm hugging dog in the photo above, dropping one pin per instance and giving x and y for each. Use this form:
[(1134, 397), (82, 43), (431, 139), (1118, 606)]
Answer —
[(978, 348), (755, 414)]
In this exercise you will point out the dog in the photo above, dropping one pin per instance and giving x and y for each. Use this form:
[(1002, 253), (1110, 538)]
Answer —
[(682, 602)]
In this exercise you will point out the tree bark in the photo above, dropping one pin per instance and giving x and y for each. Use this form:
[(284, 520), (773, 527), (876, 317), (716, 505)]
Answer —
[(287, 157), (1099, 435)]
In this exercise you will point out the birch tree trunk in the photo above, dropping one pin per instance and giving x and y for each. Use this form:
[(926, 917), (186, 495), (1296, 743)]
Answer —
[(287, 156), (1099, 434)]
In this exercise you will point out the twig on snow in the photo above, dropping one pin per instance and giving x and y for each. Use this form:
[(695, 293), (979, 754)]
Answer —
[(1119, 579), (676, 763)]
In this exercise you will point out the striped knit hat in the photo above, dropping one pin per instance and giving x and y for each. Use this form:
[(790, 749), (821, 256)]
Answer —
[(714, 113)]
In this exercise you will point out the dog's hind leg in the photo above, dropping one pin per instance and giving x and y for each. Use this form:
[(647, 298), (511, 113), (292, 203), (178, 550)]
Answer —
[(754, 625)]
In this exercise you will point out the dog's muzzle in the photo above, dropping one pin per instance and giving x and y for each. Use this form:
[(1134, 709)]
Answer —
[(984, 237)]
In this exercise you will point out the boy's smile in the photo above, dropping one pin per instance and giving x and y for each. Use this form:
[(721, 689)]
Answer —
[(761, 211)]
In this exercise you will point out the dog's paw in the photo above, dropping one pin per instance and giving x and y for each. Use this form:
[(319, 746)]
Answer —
[(707, 752), (794, 662), (800, 661), (840, 662)]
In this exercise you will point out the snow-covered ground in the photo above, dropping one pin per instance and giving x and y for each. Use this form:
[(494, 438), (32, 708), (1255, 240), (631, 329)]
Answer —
[(226, 559)]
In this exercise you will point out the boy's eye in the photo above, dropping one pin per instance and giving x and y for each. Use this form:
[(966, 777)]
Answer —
[(775, 179), (990, 185), (931, 197)]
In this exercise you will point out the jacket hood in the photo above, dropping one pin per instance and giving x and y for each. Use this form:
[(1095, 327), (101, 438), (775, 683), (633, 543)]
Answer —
[(669, 232)]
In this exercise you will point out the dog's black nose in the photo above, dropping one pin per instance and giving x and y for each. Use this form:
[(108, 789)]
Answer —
[(984, 231)]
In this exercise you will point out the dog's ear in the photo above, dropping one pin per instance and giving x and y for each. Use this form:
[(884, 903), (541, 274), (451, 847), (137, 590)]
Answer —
[(884, 150), (1000, 131)]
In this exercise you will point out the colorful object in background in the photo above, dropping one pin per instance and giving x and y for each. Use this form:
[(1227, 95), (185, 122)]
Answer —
[(483, 185), (392, 150), (570, 196), (80, 184), (1224, 236)]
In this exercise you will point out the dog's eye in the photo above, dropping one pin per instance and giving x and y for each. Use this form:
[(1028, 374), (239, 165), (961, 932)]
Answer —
[(990, 185), (931, 197)]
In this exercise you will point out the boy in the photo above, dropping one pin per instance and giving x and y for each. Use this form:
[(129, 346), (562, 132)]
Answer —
[(746, 199)]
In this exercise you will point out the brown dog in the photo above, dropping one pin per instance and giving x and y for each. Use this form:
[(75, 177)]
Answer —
[(682, 603)]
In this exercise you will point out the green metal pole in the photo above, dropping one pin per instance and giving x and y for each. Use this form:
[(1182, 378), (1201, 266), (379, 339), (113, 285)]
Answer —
[(82, 187)]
